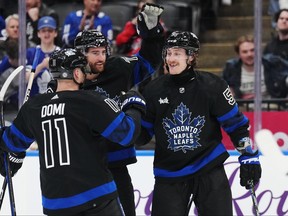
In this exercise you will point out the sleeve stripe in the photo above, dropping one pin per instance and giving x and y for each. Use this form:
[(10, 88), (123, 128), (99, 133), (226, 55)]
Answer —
[(235, 126), (129, 137), (228, 115), (114, 124)]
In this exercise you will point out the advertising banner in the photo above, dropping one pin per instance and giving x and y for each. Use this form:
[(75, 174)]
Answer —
[(276, 122), (272, 191)]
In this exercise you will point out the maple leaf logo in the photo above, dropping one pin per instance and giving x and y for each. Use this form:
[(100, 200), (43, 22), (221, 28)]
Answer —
[(183, 132)]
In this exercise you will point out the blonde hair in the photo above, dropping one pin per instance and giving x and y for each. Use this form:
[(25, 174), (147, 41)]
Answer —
[(10, 17), (242, 39)]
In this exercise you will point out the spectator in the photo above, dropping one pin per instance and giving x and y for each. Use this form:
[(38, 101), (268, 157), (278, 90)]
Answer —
[(11, 95), (279, 44), (90, 18), (47, 32), (275, 57), (11, 32), (74, 176), (2, 25), (239, 72), (35, 9), (274, 7), (128, 41)]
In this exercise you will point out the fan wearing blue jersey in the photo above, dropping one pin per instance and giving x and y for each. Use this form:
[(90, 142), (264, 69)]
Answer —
[(91, 17)]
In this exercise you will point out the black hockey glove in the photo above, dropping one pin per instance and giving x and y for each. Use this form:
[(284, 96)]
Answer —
[(148, 21), (16, 161), (250, 169), (133, 99)]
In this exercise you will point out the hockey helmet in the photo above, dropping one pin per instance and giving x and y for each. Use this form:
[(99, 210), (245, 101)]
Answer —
[(63, 62), (182, 39), (91, 38)]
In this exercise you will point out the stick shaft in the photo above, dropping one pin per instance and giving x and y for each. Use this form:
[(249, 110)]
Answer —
[(8, 178), (32, 74)]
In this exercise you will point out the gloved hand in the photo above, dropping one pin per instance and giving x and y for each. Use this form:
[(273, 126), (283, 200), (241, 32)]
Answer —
[(16, 161), (148, 19), (133, 99), (250, 169)]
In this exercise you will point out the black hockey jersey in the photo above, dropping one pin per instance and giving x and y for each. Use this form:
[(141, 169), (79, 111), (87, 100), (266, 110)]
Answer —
[(120, 74), (71, 128), (186, 116)]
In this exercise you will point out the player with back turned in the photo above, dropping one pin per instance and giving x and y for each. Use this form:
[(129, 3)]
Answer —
[(186, 109), (112, 75), (74, 176)]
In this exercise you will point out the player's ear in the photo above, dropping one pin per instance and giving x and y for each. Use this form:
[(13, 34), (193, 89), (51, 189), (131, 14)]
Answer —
[(78, 75)]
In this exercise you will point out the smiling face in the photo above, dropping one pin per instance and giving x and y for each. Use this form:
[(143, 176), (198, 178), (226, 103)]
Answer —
[(12, 28), (177, 59), (47, 35), (92, 6), (96, 57), (246, 53)]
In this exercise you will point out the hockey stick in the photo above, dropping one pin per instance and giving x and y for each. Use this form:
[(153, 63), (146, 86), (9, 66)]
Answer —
[(189, 205), (32, 73), (270, 148), (8, 179), (254, 199)]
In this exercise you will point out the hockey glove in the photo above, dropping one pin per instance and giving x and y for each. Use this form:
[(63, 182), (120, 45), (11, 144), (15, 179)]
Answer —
[(148, 21), (250, 168), (15, 160), (133, 99)]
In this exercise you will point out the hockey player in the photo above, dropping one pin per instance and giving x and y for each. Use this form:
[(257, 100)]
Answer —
[(185, 111), (113, 74), (70, 126)]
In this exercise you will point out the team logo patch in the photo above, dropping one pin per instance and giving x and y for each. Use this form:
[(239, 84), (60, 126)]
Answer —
[(183, 132), (164, 101)]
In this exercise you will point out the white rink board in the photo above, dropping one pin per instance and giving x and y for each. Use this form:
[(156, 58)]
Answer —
[(272, 192)]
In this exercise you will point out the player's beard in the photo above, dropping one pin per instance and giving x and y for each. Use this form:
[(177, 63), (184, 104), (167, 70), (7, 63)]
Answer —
[(97, 68)]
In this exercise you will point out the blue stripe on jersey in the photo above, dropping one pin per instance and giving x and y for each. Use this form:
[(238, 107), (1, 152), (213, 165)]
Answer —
[(232, 120), (229, 115), (79, 199), (13, 135), (129, 137), (188, 170), (114, 131), (122, 154), (148, 126), (236, 125)]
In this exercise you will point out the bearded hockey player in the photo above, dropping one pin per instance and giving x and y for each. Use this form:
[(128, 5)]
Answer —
[(111, 75), (185, 111), (70, 126)]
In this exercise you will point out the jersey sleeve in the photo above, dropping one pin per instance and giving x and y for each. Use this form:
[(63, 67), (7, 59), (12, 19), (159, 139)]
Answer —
[(105, 25), (70, 29), (147, 126), (114, 124), (17, 137), (231, 119)]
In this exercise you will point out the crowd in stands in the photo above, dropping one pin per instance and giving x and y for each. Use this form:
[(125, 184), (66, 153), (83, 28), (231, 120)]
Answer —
[(44, 29)]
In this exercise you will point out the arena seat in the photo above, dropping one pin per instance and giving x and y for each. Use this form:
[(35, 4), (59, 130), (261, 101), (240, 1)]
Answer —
[(119, 14)]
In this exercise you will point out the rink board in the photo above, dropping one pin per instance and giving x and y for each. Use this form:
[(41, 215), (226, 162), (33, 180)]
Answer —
[(272, 191)]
